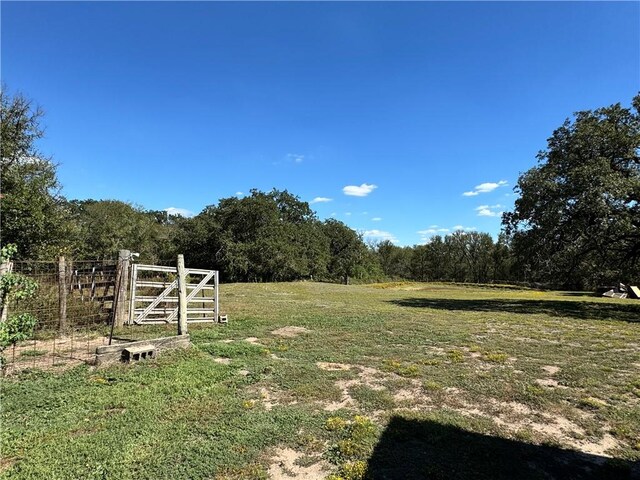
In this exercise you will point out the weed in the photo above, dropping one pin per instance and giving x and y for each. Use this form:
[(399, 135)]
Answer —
[(592, 403), (334, 424), (33, 353), (456, 356), (495, 357), (432, 386)]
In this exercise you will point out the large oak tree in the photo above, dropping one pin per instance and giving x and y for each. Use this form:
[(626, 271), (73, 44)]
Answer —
[(577, 219)]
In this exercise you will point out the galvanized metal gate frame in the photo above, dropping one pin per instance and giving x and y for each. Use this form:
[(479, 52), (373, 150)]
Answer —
[(141, 316)]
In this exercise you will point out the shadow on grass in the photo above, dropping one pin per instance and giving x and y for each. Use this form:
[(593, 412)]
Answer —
[(416, 449), (624, 312)]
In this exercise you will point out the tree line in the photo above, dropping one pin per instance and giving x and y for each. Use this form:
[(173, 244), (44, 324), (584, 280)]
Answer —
[(575, 223)]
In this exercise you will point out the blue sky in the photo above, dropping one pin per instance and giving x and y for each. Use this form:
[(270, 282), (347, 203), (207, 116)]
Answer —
[(393, 111)]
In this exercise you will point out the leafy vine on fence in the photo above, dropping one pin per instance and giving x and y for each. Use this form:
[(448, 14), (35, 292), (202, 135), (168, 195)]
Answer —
[(14, 286)]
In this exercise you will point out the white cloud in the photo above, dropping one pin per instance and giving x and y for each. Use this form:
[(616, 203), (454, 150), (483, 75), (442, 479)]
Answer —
[(238, 194), (321, 200), (295, 157), (333, 214), (485, 188), (348, 214), (490, 210), (466, 229), (183, 212), (359, 191), (376, 219), (433, 230), (379, 235)]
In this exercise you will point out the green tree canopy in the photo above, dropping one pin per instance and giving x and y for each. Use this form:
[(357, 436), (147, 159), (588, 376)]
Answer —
[(577, 219), (33, 214)]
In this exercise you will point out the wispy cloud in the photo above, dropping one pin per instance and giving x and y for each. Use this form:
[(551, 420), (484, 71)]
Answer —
[(376, 219), (239, 194), (348, 214), (183, 212), (485, 188), (321, 200), (463, 228), (490, 210), (295, 157), (379, 235), (433, 230), (333, 214), (359, 191)]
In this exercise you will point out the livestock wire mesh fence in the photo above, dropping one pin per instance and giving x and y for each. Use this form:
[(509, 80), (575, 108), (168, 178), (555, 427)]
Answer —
[(73, 307)]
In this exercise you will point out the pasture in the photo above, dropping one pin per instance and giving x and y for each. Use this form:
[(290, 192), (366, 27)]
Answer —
[(311, 380)]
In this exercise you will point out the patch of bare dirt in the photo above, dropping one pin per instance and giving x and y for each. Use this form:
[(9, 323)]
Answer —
[(223, 361), (284, 467), (290, 331), (367, 376), (549, 383), (54, 354), (228, 340), (332, 367), (551, 369), (253, 340), (514, 416)]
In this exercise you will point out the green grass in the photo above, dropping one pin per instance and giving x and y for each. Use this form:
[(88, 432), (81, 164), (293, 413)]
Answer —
[(477, 369)]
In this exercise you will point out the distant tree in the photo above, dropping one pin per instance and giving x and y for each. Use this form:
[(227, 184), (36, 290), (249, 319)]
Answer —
[(33, 214), (394, 260), (577, 219), (105, 226), (477, 253), (502, 260), (272, 236), (347, 252)]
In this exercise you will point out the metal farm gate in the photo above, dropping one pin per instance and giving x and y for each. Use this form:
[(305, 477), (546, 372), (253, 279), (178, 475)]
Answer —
[(154, 295)]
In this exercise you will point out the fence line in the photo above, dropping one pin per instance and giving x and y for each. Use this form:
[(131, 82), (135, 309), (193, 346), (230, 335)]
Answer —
[(73, 307)]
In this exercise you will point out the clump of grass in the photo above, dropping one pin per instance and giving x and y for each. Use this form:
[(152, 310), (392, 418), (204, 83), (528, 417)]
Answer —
[(535, 390), (592, 403), (433, 362), (248, 404), (432, 386), (634, 387), (456, 356), (33, 353), (400, 368), (370, 399), (354, 445), (495, 357)]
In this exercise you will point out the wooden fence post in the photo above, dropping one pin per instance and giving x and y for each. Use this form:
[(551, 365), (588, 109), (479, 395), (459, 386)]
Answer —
[(182, 296), (62, 293), (120, 293)]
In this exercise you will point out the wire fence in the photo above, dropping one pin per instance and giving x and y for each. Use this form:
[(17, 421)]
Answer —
[(73, 307)]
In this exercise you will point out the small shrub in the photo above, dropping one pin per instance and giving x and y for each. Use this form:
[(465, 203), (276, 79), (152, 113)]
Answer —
[(354, 470), (334, 424)]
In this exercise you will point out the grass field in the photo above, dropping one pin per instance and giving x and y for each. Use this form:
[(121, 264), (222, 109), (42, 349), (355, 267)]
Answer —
[(310, 380)]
